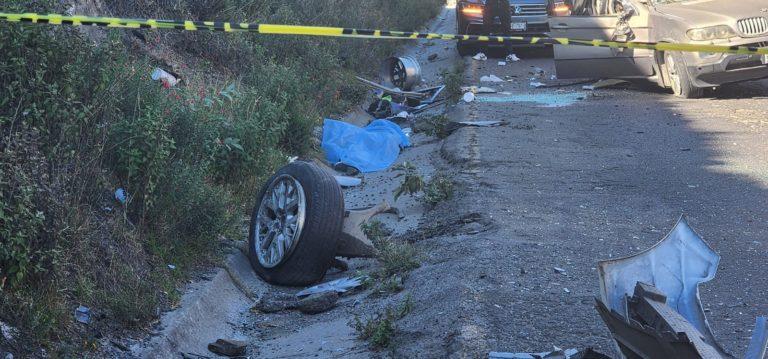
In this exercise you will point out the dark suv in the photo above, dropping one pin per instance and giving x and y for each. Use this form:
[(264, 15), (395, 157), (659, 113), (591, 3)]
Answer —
[(526, 18)]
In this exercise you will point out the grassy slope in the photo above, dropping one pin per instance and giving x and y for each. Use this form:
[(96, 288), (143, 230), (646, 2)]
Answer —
[(80, 118)]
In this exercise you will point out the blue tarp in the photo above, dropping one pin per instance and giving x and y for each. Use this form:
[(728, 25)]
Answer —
[(369, 149)]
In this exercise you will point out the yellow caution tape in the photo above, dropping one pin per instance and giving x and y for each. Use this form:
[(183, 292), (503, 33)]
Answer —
[(114, 22)]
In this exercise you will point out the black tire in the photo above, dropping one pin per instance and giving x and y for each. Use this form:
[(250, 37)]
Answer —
[(316, 247), (680, 78)]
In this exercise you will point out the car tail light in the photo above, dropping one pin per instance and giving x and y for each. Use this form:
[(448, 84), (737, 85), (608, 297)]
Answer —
[(560, 8), (472, 10)]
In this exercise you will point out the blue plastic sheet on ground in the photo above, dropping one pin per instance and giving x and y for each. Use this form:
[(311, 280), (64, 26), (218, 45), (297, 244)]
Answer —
[(369, 149)]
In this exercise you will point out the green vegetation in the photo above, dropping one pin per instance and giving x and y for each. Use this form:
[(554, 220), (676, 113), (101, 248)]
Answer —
[(412, 183), (436, 125), (397, 259), (439, 189), (80, 117), (454, 80), (379, 329)]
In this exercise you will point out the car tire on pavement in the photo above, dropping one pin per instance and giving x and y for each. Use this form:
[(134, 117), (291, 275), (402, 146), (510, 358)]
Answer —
[(679, 77), (295, 225)]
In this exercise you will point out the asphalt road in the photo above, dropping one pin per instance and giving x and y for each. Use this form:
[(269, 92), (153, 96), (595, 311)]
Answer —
[(604, 177)]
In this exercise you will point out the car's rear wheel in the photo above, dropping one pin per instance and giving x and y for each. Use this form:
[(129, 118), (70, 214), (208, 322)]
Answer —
[(296, 225), (679, 77)]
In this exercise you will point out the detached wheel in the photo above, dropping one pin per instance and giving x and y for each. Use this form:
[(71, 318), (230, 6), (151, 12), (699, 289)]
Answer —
[(678, 75), (295, 225)]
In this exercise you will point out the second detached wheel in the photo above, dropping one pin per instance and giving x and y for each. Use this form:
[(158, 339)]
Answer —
[(295, 225)]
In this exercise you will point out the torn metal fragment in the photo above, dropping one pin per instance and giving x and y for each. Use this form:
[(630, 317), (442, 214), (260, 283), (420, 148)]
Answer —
[(339, 286), (676, 266), (653, 329)]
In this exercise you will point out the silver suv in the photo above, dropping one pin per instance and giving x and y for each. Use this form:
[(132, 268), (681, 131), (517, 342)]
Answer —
[(717, 22)]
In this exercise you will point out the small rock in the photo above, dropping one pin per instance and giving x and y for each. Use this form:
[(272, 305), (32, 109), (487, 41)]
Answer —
[(559, 270), (318, 303), (229, 348), (274, 302), (432, 57), (566, 290)]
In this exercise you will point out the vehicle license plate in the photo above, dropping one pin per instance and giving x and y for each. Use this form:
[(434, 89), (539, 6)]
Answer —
[(519, 26)]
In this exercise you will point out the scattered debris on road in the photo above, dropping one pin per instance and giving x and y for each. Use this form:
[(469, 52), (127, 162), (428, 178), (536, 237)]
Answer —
[(537, 84), (604, 84), (558, 353), (480, 57), (491, 78), (342, 285), (512, 58), (502, 63), (476, 89), (228, 348)]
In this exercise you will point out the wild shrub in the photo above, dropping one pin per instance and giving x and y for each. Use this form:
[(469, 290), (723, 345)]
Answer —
[(80, 117)]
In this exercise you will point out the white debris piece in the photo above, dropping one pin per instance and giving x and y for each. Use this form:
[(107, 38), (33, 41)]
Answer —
[(553, 77), (339, 286), (568, 353), (165, 77), (512, 58), (346, 181), (468, 97), (476, 89), (480, 57), (502, 63), (537, 84), (491, 78)]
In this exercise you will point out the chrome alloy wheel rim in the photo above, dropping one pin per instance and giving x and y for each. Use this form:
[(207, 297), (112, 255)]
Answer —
[(279, 221)]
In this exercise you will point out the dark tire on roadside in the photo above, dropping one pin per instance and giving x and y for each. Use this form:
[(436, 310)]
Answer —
[(679, 77), (315, 248)]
